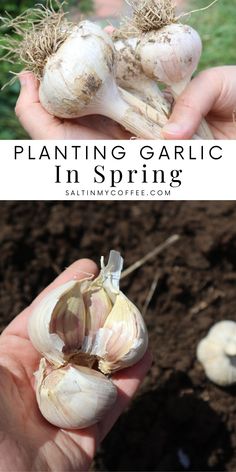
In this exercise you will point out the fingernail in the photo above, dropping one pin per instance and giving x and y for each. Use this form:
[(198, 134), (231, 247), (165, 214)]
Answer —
[(172, 128)]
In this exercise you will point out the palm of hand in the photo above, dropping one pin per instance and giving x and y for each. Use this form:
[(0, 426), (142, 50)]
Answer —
[(222, 126)]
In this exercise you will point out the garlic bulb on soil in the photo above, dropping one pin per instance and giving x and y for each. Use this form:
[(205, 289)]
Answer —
[(81, 326), (130, 76), (217, 353), (78, 80)]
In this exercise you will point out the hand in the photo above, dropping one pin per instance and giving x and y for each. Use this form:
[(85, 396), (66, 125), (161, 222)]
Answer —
[(39, 124), (210, 95), (27, 441)]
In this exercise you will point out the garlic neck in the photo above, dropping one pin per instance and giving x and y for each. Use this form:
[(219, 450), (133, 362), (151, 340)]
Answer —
[(179, 87)]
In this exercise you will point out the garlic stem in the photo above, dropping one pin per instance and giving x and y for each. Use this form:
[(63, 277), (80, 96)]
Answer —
[(129, 113), (148, 111), (151, 113)]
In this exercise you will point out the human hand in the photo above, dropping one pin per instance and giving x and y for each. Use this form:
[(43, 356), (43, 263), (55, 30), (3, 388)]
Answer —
[(27, 441), (210, 95), (39, 124)]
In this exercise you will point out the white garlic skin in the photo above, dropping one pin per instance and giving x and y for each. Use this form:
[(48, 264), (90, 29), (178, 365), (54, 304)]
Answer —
[(75, 76), (128, 69), (90, 317), (217, 353), (73, 397), (171, 54)]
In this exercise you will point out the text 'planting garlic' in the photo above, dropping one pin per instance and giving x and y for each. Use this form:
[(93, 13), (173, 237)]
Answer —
[(79, 327), (217, 353)]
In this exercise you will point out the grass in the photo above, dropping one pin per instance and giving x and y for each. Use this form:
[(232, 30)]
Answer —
[(218, 32), (215, 25)]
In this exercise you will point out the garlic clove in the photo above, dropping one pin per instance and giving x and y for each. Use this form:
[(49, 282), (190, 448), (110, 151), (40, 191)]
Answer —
[(98, 306), (127, 340), (73, 397), (57, 325)]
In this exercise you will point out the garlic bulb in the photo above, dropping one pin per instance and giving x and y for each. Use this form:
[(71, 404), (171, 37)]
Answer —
[(78, 80), (73, 396), (171, 55), (217, 353), (90, 324), (130, 76)]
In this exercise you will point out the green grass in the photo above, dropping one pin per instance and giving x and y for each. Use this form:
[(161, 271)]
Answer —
[(215, 25)]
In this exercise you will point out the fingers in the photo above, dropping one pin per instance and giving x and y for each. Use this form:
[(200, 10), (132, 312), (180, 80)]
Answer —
[(193, 105), (79, 270), (34, 119), (127, 383)]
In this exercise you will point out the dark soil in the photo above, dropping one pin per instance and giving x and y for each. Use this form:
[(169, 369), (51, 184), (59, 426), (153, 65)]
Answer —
[(178, 415)]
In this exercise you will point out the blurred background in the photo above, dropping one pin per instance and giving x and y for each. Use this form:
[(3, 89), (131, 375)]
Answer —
[(216, 26)]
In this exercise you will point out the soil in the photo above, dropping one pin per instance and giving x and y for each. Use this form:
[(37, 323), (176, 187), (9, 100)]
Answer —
[(179, 420)]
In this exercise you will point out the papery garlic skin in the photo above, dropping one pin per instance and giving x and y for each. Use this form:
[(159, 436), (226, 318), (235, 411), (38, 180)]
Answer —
[(73, 397), (170, 55), (217, 353)]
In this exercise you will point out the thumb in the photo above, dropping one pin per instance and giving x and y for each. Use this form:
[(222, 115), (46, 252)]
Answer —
[(192, 106)]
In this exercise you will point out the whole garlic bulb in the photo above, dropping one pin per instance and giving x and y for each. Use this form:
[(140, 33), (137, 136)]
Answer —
[(90, 324), (70, 83), (73, 395), (170, 55), (217, 353), (78, 80)]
